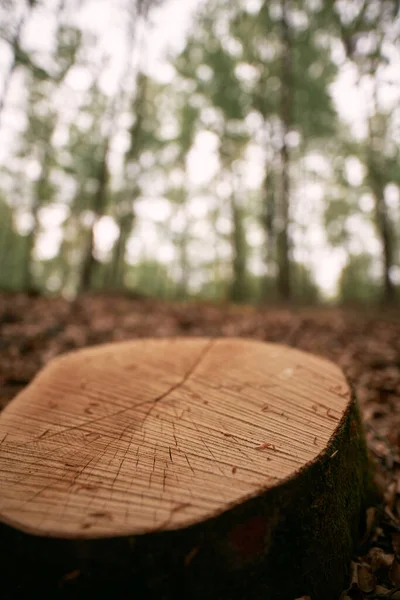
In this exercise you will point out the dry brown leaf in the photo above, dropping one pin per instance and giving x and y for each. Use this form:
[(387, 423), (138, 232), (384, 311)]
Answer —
[(390, 495), (34, 329), (366, 579), (378, 559), (396, 542), (370, 519), (394, 573)]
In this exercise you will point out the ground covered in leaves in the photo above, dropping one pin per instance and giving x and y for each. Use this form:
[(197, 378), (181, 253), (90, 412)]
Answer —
[(365, 344)]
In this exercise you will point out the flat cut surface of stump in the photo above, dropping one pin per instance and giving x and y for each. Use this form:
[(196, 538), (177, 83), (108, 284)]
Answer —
[(156, 435)]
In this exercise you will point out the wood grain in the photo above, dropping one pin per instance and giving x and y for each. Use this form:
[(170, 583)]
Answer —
[(152, 435)]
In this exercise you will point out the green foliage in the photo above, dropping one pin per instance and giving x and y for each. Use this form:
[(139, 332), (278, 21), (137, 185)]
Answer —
[(187, 119), (305, 289), (357, 283), (336, 215), (69, 40), (215, 290), (262, 289), (143, 133), (312, 70), (12, 248), (251, 76), (23, 59), (150, 278), (314, 115), (240, 287)]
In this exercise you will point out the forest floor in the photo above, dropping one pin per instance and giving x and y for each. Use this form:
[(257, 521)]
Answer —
[(366, 344)]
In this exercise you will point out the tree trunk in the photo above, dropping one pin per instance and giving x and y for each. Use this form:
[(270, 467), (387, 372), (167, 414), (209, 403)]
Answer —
[(31, 237), (99, 205), (183, 285), (70, 230), (184, 468), (375, 156), (10, 254), (283, 242), (377, 179), (117, 270), (89, 262), (239, 246), (386, 237), (182, 240), (269, 218), (268, 221)]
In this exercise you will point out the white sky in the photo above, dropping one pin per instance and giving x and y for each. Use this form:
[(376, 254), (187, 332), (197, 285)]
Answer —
[(169, 27)]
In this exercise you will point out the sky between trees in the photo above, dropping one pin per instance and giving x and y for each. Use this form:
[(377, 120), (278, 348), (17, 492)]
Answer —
[(227, 149)]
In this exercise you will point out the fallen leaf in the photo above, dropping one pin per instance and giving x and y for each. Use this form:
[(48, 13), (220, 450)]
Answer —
[(394, 573), (366, 579)]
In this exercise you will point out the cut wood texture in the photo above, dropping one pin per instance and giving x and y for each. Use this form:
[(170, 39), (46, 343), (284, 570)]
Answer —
[(225, 467)]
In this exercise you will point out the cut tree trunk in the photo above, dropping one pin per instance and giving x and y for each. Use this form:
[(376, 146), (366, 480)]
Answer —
[(186, 468)]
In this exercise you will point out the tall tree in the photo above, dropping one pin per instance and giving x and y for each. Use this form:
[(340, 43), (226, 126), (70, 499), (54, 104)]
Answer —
[(11, 250), (292, 97), (99, 204), (357, 282), (37, 146), (267, 62), (187, 123), (84, 164), (377, 179), (231, 151), (137, 12), (222, 92), (143, 138), (286, 101), (376, 22), (37, 140)]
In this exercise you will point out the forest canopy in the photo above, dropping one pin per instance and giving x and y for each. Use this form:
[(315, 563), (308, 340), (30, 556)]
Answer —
[(253, 159)]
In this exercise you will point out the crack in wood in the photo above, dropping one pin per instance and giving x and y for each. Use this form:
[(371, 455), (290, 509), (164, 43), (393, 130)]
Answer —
[(185, 378)]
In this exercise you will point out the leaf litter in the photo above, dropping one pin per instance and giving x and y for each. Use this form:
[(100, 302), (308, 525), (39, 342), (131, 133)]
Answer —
[(365, 344)]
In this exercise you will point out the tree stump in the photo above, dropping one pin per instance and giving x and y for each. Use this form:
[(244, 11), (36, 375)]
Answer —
[(186, 467)]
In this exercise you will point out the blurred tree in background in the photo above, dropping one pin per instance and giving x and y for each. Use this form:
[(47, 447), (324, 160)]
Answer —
[(236, 176)]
